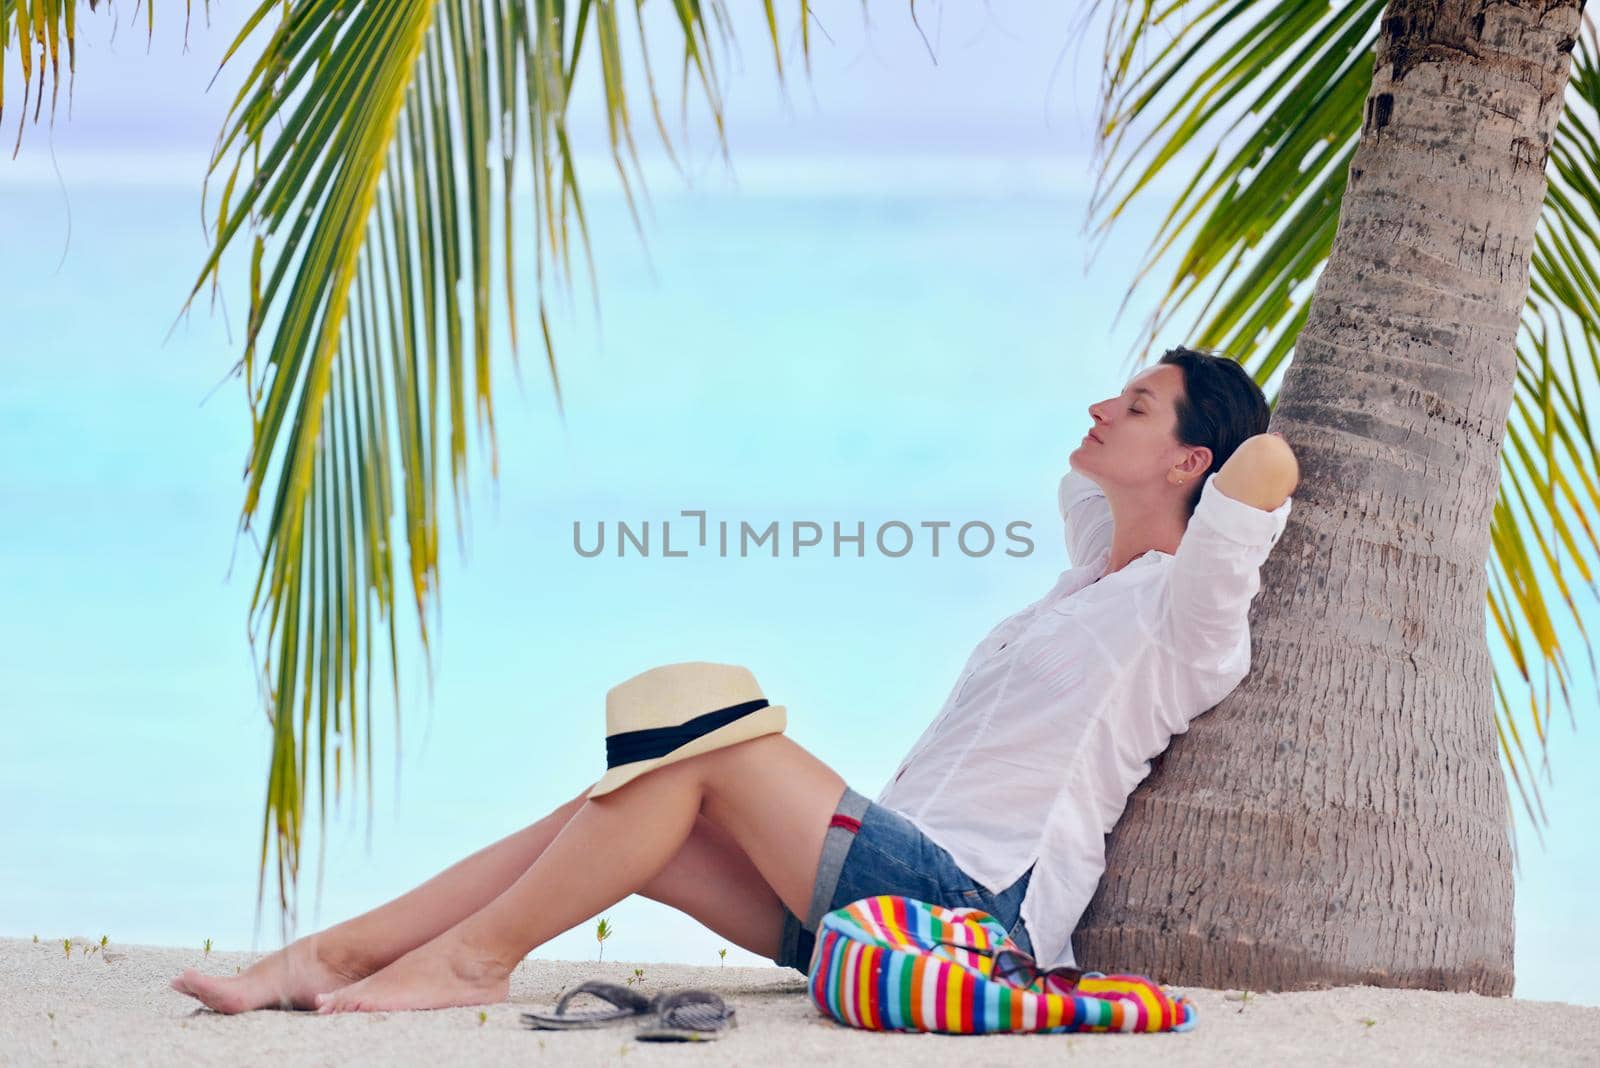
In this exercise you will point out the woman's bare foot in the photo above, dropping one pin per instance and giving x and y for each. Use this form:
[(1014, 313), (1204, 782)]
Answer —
[(291, 978), (443, 973)]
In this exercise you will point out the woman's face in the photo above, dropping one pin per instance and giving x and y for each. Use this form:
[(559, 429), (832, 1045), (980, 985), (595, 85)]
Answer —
[(1133, 437)]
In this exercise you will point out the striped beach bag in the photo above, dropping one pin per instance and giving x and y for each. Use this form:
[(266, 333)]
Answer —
[(893, 963)]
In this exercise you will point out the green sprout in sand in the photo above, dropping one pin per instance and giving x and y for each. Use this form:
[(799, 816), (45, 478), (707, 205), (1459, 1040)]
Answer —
[(103, 940), (66, 944), (208, 947), (722, 954), (636, 977), (603, 931)]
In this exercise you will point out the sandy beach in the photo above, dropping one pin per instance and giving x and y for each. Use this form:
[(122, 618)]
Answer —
[(114, 1007)]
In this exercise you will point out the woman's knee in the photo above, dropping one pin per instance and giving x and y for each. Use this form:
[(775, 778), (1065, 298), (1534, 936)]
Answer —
[(569, 809), (676, 883), (712, 880), (708, 864)]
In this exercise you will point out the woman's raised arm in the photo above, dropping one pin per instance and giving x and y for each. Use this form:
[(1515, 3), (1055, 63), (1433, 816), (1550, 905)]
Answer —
[(1243, 509), (1086, 516), (1262, 472)]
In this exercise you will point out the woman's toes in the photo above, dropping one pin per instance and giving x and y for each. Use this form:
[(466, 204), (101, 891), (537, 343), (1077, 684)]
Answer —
[(345, 999)]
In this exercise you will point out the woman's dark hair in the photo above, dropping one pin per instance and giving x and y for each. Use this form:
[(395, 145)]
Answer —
[(1220, 408)]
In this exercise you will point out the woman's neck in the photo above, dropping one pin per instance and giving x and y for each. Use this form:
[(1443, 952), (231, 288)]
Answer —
[(1142, 523)]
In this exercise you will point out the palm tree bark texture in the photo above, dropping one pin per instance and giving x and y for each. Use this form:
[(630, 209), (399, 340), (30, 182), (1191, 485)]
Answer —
[(1341, 817)]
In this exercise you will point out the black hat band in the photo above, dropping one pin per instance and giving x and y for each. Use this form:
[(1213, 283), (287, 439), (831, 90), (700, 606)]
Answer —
[(630, 747)]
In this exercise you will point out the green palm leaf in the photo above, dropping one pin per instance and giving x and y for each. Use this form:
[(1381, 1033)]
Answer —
[(368, 162), (41, 29), (1257, 105)]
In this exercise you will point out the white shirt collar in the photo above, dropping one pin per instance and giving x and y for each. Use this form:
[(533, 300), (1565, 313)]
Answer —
[(1103, 559)]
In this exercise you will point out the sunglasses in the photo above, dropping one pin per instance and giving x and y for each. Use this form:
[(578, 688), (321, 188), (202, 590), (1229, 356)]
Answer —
[(1013, 966)]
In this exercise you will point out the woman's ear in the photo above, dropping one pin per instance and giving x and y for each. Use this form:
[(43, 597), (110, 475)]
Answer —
[(1193, 467)]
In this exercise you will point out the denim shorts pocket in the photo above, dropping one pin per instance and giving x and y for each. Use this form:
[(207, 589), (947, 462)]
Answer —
[(976, 897), (889, 862), (870, 870)]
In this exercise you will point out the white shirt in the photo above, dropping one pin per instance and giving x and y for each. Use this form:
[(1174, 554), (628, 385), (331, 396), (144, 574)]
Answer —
[(1054, 719)]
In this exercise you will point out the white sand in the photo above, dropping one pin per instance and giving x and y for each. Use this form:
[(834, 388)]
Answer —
[(116, 1008)]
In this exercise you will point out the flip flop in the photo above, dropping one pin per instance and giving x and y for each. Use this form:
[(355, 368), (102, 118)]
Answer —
[(625, 1004), (688, 1016)]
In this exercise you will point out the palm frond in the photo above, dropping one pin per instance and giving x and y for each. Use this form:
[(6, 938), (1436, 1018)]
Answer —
[(368, 165), (1256, 107), (43, 29)]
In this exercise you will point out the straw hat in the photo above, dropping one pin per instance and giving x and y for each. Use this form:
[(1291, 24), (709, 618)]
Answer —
[(681, 710)]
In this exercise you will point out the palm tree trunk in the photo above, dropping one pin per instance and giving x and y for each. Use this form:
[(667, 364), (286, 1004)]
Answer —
[(1342, 817)]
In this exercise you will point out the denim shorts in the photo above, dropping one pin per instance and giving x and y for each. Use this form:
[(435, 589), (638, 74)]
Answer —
[(870, 850)]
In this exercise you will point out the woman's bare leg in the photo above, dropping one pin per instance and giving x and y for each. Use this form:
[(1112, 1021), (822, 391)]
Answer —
[(710, 879), (771, 796), (714, 881), (293, 976)]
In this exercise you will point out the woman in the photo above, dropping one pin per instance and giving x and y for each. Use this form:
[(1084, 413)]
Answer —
[(1003, 803)]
